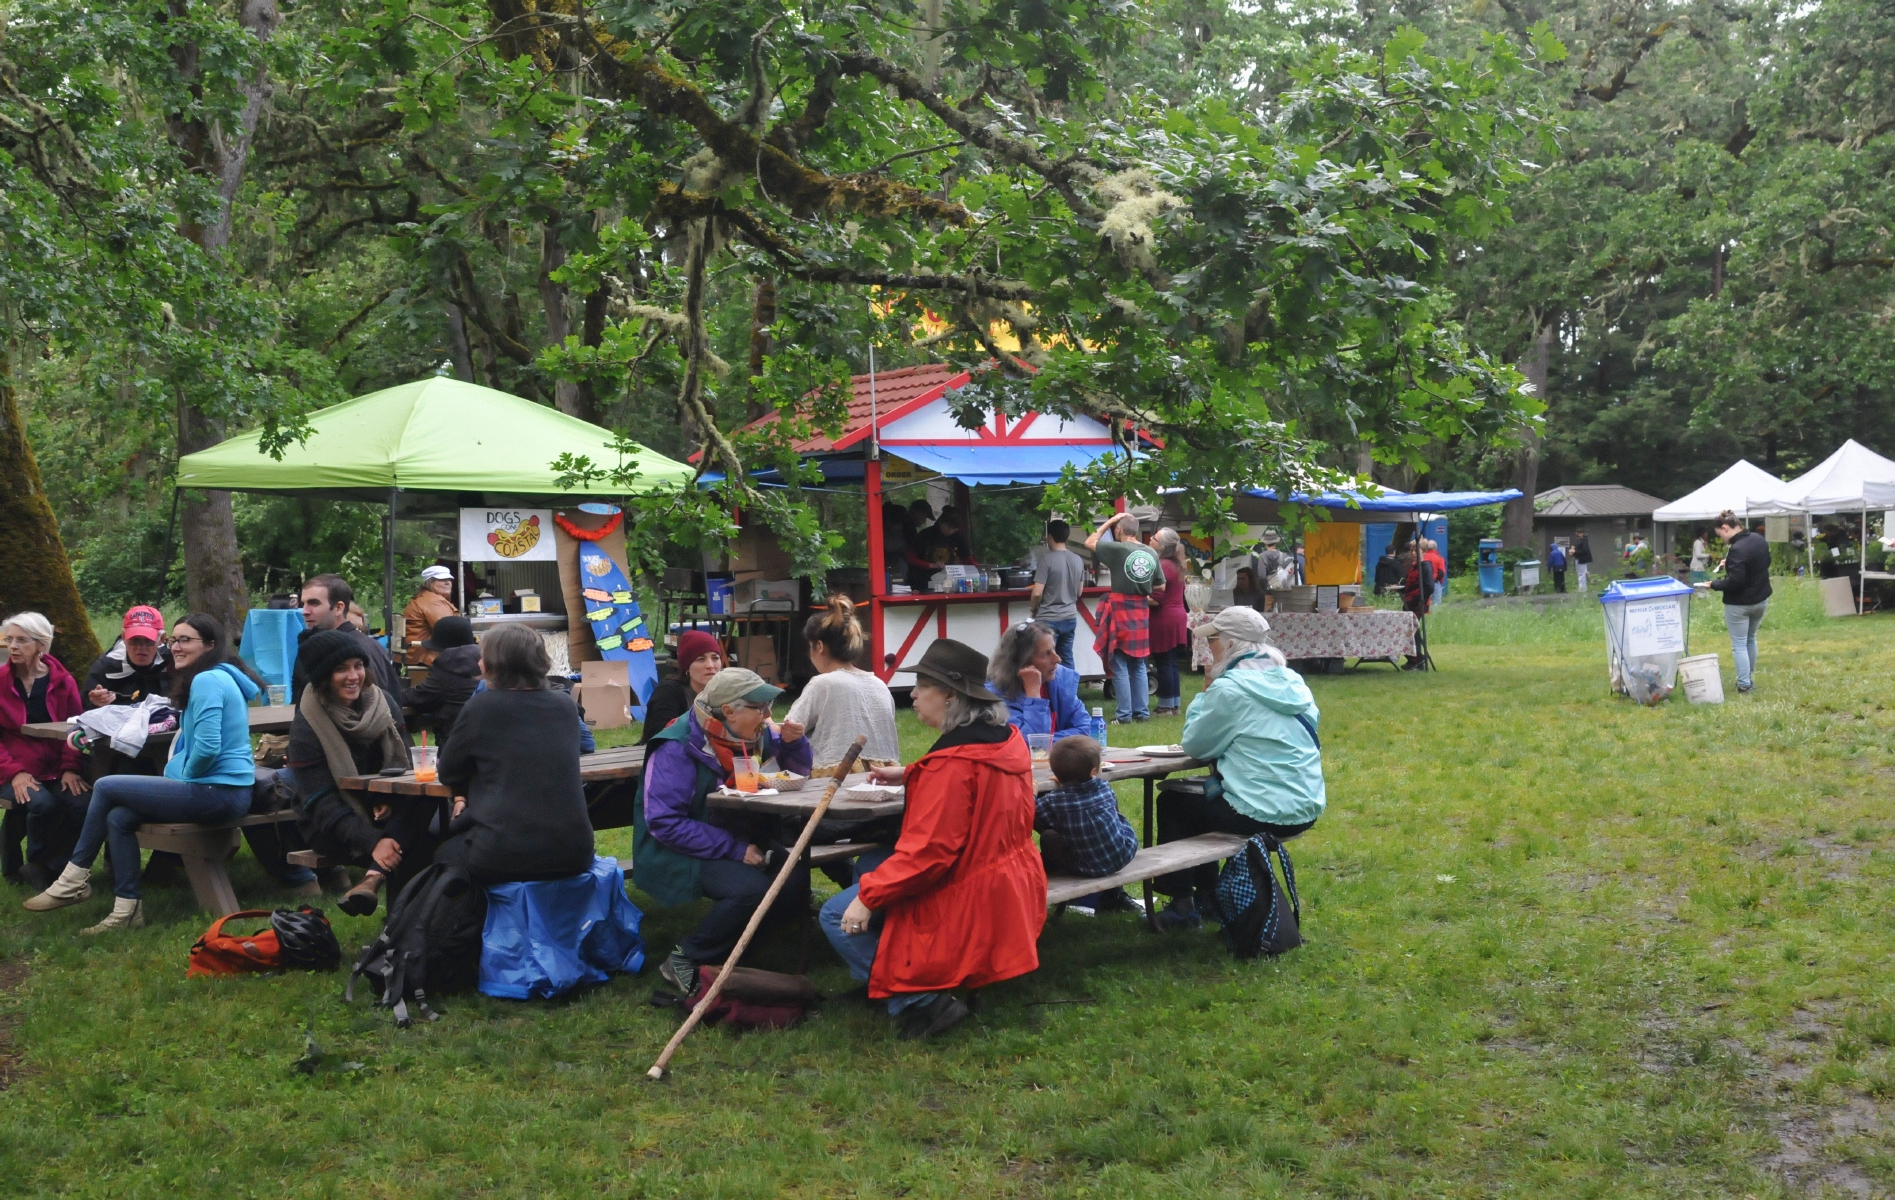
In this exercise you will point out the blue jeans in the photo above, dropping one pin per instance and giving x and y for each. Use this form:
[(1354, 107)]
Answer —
[(1169, 662), (1063, 638), (121, 803), (1129, 691), (1742, 621), (858, 949)]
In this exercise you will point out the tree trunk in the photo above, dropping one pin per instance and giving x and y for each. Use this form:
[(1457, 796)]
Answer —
[(1516, 526), (592, 332), (38, 575), (458, 348), (558, 316), (213, 572)]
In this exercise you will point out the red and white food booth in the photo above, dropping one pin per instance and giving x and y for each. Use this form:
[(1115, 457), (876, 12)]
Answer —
[(901, 435)]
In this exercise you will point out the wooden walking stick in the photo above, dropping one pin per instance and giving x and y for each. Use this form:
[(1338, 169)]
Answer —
[(763, 907)]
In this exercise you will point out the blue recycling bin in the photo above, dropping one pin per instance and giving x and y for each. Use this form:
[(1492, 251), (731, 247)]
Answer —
[(1493, 576), (269, 642), (1647, 634)]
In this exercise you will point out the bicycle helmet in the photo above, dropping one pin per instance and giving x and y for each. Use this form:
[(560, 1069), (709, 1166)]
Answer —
[(305, 939)]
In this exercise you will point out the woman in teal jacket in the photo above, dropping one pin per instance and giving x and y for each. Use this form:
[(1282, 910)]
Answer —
[(208, 780), (1256, 721)]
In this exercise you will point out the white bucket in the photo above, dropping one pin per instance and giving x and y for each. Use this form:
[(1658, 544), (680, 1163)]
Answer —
[(1700, 679)]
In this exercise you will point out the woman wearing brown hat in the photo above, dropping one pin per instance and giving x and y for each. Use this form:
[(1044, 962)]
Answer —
[(961, 899)]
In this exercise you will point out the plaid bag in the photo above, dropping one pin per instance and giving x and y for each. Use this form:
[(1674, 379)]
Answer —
[(1259, 918)]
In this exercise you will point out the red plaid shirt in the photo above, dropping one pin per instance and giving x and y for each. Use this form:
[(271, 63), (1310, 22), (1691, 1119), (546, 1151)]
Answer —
[(1124, 625)]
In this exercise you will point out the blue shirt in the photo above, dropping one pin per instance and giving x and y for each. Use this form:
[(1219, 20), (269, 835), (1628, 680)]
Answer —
[(1062, 715), (213, 740), (1093, 836)]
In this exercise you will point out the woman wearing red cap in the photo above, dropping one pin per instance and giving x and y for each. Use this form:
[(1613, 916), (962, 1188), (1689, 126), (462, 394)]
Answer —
[(700, 656)]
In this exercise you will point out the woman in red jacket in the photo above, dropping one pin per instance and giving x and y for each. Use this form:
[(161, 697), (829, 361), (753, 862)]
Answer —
[(39, 777), (961, 899)]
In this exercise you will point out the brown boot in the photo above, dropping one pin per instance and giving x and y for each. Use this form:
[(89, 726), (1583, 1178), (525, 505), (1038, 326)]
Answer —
[(360, 900)]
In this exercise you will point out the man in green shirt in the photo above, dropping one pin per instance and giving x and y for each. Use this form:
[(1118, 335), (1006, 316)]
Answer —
[(1124, 639)]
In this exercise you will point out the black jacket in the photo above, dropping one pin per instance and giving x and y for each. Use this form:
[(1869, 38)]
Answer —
[(451, 679), (127, 682), (669, 701), (515, 756), (328, 821), (1746, 570), (1582, 549)]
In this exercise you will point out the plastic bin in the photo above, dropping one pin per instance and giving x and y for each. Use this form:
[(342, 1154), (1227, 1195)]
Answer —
[(1698, 675), (1647, 633)]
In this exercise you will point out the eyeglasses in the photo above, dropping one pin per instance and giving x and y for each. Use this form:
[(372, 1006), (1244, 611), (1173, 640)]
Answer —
[(179, 641)]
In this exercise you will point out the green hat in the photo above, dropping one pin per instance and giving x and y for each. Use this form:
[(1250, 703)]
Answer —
[(733, 684)]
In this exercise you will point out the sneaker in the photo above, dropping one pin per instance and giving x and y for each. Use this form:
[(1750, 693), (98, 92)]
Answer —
[(1171, 918), (1744, 689), (934, 1018), (680, 972), (1117, 901)]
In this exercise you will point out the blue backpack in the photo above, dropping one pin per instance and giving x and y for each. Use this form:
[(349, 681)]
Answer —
[(1258, 914)]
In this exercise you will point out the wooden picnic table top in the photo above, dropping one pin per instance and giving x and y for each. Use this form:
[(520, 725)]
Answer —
[(273, 719), (616, 762), (626, 762)]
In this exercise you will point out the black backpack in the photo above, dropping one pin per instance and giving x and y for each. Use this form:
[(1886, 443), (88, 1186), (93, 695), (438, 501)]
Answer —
[(1257, 915), (430, 943)]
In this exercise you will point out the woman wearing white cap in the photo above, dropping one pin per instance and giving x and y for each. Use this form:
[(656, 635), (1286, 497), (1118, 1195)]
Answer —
[(434, 601), (1255, 722)]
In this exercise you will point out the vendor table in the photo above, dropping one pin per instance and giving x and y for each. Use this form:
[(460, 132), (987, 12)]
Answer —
[(912, 621), (1378, 634)]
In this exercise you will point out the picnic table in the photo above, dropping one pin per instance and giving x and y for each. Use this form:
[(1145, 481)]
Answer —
[(274, 719), (610, 808)]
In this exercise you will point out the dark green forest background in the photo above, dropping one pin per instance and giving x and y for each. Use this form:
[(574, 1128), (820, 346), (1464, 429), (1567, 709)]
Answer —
[(1672, 218)]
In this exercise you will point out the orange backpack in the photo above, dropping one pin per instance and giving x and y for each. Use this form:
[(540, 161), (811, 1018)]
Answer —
[(220, 953)]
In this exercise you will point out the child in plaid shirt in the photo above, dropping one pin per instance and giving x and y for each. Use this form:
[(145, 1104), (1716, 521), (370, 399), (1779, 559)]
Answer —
[(1082, 832)]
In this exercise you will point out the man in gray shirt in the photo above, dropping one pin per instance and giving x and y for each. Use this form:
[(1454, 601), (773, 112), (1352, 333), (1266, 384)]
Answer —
[(1056, 587)]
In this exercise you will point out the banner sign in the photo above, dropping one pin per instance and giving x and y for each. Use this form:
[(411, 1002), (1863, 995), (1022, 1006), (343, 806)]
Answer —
[(508, 535)]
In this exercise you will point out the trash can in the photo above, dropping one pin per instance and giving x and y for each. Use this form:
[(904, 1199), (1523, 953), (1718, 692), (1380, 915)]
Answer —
[(1526, 575), (1493, 576), (1647, 631)]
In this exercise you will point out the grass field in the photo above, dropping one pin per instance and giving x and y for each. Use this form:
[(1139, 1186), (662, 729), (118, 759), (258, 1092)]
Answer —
[(1558, 946)]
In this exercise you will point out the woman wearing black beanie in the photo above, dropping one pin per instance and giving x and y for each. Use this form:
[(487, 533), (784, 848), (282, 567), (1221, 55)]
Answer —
[(346, 725)]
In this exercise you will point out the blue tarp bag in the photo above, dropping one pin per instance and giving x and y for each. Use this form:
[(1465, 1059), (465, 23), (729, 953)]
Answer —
[(543, 939)]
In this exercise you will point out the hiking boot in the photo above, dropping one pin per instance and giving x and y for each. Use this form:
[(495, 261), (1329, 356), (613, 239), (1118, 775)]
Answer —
[(934, 1018), (34, 876), (72, 887), (360, 900), (310, 889), (680, 972), (127, 913), (335, 879)]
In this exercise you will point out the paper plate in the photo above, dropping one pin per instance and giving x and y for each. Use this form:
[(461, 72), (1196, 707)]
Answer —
[(1175, 751)]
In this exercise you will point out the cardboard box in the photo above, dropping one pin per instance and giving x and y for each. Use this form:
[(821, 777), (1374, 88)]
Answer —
[(756, 549), (604, 694), (758, 653), (766, 595)]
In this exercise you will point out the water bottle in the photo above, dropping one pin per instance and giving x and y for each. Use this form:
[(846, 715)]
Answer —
[(1098, 726)]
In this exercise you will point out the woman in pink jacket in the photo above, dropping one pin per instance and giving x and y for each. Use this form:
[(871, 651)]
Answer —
[(40, 785)]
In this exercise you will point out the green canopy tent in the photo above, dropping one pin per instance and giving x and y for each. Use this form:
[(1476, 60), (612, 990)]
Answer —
[(432, 435)]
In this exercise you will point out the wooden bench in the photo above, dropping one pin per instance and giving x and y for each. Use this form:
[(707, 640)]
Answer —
[(1147, 865), (816, 855), (205, 849)]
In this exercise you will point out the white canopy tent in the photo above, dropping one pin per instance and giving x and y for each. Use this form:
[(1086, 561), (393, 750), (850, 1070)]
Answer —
[(1854, 479), (1731, 490), (1840, 483)]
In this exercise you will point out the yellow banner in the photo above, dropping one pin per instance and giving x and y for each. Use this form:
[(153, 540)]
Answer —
[(1332, 553)]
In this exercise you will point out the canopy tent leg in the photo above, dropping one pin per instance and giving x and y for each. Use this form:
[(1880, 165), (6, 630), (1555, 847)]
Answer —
[(878, 561), (1862, 563), (388, 570)]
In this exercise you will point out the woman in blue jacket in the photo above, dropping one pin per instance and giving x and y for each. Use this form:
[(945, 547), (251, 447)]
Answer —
[(1042, 693), (1255, 722), (208, 780)]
